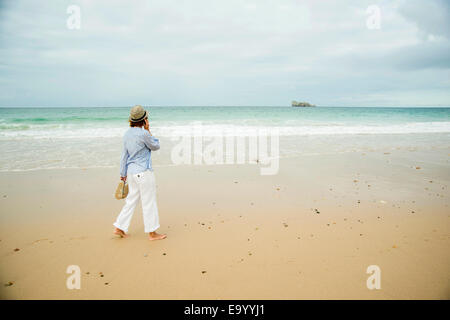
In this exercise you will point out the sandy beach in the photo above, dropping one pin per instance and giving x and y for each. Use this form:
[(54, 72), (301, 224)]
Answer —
[(309, 232), (301, 150)]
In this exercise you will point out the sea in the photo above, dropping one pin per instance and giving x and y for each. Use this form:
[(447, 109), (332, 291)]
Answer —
[(83, 137)]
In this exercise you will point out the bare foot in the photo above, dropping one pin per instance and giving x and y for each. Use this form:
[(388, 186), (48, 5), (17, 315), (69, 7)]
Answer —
[(120, 233), (156, 236)]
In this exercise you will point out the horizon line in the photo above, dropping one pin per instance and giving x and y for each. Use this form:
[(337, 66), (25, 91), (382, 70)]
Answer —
[(231, 106)]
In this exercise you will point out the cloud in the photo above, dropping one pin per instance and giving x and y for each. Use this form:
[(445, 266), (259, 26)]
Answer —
[(431, 17), (233, 52)]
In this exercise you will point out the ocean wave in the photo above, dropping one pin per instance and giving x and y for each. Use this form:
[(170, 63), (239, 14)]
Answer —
[(24, 131), (316, 129), (67, 119)]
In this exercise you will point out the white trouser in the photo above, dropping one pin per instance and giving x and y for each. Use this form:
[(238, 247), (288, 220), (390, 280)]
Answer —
[(140, 186)]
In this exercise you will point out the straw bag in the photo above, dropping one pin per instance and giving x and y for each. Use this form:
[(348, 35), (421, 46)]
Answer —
[(122, 190)]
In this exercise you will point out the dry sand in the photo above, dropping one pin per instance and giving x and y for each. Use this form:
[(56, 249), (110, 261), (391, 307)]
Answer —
[(309, 232)]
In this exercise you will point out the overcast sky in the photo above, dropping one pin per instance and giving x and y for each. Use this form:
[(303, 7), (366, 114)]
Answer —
[(224, 52)]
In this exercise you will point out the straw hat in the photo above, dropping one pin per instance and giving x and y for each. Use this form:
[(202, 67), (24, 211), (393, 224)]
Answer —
[(137, 113)]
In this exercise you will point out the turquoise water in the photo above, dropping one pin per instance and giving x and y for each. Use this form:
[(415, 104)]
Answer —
[(35, 138), (27, 118), (92, 122)]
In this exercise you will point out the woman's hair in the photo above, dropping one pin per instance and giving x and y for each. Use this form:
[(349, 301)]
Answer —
[(138, 124)]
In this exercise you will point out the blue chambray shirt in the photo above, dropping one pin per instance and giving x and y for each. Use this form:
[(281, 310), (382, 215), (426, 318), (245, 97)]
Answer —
[(138, 144)]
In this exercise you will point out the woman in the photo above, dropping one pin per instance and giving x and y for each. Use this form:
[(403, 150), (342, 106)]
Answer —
[(136, 164)]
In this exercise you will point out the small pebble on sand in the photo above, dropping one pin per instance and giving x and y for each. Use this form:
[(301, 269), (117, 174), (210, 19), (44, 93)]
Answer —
[(9, 284), (16, 249), (203, 271)]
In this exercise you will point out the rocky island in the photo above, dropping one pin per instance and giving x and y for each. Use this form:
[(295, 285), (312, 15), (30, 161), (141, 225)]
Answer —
[(302, 104)]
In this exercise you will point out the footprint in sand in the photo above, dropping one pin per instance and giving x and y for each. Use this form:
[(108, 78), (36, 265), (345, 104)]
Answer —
[(78, 238), (39, 240)]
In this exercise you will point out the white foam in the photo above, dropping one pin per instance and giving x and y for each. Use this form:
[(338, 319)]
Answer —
[(195, 129)]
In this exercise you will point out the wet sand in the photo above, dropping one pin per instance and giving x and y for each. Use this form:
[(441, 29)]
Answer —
[(309, 232)]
